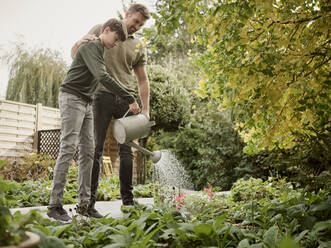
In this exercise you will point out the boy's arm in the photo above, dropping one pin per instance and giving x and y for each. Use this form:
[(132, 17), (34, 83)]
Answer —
[(93, 59)]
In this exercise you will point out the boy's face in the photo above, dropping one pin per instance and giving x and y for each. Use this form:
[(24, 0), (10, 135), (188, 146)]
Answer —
[(134, 21), (110, 39)]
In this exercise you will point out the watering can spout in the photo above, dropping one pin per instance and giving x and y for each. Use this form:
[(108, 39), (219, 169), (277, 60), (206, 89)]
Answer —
[(156, 156)]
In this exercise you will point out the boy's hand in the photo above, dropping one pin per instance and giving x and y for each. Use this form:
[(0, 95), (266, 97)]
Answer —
[(134, 108)]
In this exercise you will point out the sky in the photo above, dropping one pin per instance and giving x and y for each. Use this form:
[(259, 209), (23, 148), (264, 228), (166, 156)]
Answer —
[(55, 24)]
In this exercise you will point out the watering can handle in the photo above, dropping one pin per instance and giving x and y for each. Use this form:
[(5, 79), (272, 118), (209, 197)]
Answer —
[(126, 113)]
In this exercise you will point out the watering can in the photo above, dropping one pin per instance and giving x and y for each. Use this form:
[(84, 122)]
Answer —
[(127, 129)]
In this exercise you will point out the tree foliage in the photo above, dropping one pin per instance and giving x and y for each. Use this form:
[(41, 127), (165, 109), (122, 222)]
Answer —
[(35, 75), (267, 60)]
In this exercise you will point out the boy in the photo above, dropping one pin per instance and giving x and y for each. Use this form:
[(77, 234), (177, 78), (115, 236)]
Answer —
[(75, 98)]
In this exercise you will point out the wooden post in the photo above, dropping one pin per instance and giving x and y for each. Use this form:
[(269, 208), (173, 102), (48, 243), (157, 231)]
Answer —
[(38, 123)]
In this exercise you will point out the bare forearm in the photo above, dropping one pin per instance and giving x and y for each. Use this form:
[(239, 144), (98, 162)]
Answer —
[(143, 85), (144, 95)]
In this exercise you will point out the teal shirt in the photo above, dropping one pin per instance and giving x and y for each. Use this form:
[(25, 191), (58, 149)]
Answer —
[(87, 70)]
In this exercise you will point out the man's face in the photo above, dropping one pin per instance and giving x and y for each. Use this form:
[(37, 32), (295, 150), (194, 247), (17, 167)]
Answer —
[(134, 21)]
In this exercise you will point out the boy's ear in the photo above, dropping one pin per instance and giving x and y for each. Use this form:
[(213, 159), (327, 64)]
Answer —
[(106, 30)]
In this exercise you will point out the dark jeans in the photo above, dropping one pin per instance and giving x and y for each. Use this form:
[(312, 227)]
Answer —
[(105, 107)]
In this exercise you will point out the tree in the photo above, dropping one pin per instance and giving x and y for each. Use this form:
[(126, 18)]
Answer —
[(35, 75), (269, 61)]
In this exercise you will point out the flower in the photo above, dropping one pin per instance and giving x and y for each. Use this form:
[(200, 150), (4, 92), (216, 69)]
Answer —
[(179, 200), (209, 191)]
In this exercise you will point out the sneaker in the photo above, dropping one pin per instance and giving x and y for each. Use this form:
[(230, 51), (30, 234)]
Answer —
[(92, 212), (58, 213)]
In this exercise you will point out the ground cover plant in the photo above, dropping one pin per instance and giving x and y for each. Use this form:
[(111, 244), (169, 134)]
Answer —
[(257, 213), (30, 181)]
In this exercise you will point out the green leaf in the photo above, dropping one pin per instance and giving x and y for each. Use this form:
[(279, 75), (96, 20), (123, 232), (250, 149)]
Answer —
[(288, 243), (61, 229), (220, 220), (270, 236), (150, 235), (300, 236), (320, 226), (321, 206), (243, 244), (203, 230)]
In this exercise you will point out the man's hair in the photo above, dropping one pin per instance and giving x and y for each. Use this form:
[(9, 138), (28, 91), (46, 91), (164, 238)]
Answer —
[(116, 26), (142, 9)]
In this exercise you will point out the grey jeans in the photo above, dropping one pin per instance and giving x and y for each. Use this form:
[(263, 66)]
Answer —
[(76, 129)]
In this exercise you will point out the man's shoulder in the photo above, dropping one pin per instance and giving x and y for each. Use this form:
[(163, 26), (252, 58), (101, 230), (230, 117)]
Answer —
[(96, 30)]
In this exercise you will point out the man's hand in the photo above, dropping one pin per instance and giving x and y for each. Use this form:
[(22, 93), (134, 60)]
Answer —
[(134, 108), (85, 39)]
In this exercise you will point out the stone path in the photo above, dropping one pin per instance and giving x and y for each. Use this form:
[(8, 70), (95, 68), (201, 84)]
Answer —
[(112, 208)]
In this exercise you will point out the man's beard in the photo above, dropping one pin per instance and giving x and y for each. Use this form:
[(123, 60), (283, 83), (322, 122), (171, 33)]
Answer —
[(131, 31)]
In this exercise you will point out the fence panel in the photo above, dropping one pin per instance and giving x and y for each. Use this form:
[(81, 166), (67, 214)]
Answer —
[(17, 128), (19, 123)]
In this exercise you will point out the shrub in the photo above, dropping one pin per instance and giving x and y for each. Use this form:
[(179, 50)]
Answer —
[(169, 100), (209, 148), (33, 166)]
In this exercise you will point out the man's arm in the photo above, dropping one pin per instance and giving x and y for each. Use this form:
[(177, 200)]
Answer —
[(85, 39), (143, 85)]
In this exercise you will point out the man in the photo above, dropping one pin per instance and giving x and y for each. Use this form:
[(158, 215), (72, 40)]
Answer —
[(120, 62)]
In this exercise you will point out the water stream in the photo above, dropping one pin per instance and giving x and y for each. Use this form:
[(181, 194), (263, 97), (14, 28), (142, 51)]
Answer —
[(168, 171)]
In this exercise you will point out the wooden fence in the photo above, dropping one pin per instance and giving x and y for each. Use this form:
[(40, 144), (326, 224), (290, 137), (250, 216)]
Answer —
[(19, 123)]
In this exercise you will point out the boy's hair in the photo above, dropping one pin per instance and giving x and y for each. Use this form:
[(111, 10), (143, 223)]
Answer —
[(116, 26), (142, 9)]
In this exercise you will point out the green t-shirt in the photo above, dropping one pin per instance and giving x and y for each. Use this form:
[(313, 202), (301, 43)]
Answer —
[(87, 70), (122, 59)]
